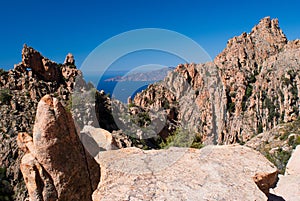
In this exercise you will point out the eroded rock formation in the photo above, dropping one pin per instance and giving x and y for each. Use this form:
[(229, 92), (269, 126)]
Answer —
[(250, 87), (20, 91), (56, 165), (22, 88)]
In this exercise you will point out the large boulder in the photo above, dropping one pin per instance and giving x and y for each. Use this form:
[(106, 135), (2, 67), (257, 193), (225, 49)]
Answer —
[(97, 139), (56, 166), (211, 173)]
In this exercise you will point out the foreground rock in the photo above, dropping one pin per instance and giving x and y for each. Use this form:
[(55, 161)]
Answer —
[(211, 173), (56, 166), (288, 185)]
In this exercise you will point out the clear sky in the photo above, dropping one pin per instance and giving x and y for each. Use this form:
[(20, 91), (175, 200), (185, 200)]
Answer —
[(56, 27)]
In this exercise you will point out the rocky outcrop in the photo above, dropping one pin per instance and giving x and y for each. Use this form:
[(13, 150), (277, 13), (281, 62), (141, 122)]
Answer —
[(211, 173), (56, 165), (48, 70), (250, 87), (20, 91), (69, 59), (22, 88)]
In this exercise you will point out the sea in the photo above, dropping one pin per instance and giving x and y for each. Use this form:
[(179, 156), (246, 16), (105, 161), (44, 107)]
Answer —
[(120, 90)]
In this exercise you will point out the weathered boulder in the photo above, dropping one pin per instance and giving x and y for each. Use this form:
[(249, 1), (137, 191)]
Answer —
[(97, 139), (211, 173), (56, 166)]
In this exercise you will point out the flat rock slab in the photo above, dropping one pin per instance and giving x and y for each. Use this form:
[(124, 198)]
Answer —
[(212, 173)]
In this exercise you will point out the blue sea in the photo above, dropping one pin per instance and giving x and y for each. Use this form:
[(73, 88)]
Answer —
[(118, 90)]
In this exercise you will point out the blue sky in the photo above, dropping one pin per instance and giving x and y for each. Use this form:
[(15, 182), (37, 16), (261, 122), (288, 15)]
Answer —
[(57, 27)]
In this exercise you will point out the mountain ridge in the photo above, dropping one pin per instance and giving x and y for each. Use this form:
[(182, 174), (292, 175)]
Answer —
[(235, 95)]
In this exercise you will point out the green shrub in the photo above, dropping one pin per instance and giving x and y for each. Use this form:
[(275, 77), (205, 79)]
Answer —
[(272, 109), (280, 159), (5, 95), (166, 104), (68, 106), (231, 107), (249, 90), (72, 66), (294, 91), (294, 141), (142, 119), (131, 105), (182, 138), (252, 78), (259, 128), (2, 71), (5, 187)]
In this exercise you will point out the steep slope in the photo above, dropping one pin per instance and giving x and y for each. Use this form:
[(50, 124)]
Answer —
[(278, 143), (259, 71), (250, 87)]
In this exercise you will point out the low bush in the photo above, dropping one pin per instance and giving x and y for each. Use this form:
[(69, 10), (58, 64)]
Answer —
[(5, 96), (182, 138)]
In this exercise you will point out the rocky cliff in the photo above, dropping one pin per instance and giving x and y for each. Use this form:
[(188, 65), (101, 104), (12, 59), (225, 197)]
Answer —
[(20, 91), (250, 87)]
